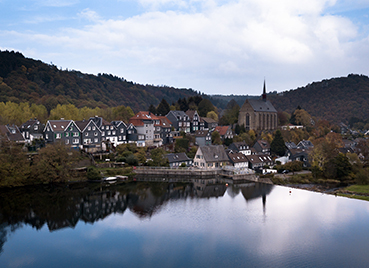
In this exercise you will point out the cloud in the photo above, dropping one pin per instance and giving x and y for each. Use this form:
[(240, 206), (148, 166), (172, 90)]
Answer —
[(209, 45)]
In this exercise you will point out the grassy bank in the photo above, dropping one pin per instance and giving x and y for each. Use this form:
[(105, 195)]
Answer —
[(355, 191)]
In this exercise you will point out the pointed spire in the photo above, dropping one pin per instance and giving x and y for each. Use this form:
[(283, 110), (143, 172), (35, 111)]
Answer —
[(264, 92)]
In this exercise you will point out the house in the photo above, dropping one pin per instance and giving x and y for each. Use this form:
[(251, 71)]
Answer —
[(209, 123), (258, 161), (238, 160), (203, 137), (225, 132), (299, 154), (240, 147), (194, 120), (165, 129), (32, 130), (134, 137), (90, 136), (262, 147), (305, 145), (180, 121), (258, 114), (65, 131), (12, 133), (121, 131), (144, 123), (177, 159), (211, 157), (108, 130)]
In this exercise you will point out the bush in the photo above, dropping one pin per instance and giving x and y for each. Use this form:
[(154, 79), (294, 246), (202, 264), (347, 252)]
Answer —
[(93, 174), (362, 177)]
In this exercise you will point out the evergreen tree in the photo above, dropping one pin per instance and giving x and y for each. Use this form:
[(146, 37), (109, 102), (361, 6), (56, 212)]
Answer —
[(277, 146), (163, 108), (152, 109)]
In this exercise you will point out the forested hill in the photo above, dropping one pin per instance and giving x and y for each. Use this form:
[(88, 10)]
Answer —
[(27, 80), (336, 100)]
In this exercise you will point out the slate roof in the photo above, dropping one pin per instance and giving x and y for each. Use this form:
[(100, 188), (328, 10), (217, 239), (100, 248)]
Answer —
[(263, 144), (164, 122), (259, 158), (191, 114), (59, 125), (290, 145), (214, 153), (237, 158), (261, 105), (82, 124), (12, 133), (177, 157), (208, 120), (239, 146)]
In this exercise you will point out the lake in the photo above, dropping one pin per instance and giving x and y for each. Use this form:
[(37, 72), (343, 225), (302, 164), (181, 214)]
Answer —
[(198, 223)]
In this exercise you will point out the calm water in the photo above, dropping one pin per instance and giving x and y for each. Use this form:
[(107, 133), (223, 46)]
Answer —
[(197, 224)]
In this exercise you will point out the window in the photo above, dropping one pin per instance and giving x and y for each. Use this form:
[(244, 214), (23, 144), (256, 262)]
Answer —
[(46, 136), (75, 134), (95, 134), (124, 137), (108, 133), (121, 130), (113, 132), (86, 134), (103, 133), (66, 134), (36, 127), (96, 140), (66, 141), (111, 127), (75, 141), (57, 136), (89, 128), (93, 128)]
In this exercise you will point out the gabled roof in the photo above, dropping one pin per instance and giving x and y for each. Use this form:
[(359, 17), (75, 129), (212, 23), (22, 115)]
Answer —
[(164, 122), (58, 125), (263, 144), (290, 145), (305, 144), (214, 153), (12, 133), (82, 124), (29, 124), (222, 130), (181, 114), (239, 146), (119, 123), (261, 105), (237, 158), (179, 157), (191, 114)]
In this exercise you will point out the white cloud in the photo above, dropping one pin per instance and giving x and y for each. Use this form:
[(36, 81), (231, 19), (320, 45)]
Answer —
[(214, 42)]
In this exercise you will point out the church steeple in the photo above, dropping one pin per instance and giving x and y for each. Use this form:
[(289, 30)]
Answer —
[(264, 92)]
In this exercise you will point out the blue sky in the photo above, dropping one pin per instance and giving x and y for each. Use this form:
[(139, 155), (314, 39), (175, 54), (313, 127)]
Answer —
[(214, 46)]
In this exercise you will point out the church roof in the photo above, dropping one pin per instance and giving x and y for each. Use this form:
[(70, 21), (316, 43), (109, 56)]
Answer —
[(262, 106)]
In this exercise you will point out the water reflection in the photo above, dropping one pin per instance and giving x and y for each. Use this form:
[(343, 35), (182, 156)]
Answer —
[(63, 207)]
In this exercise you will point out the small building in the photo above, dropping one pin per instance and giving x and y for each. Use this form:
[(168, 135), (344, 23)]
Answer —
[(180, 121), (299, 154), (305, 144), (177, 159), (194, 120), (209, 123), (65, 131), (91, 136), (211, 157)]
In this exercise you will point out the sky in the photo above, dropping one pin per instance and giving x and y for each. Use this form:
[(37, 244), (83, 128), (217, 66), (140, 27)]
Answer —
[(212, 46)]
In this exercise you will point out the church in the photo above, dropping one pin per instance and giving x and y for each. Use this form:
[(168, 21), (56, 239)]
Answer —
[(258, 114)]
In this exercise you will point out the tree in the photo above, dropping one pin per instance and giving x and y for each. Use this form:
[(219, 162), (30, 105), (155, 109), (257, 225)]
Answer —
[(215, 138), (277, 146), (212, 115), (158, 157), (152, 109), (163, 108), (181, 145), (205, 106), (54, 163)]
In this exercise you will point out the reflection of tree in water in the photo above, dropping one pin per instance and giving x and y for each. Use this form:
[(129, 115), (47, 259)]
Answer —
[(256, 190), (4, 231)]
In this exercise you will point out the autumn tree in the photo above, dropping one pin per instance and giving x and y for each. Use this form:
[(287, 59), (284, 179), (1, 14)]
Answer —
[(212, 115), (205, 106)]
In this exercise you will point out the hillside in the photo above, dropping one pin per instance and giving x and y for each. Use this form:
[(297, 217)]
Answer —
[(23, 79), (336, 100)]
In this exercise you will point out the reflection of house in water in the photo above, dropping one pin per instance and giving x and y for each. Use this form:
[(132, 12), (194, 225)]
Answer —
[(206, 188)]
